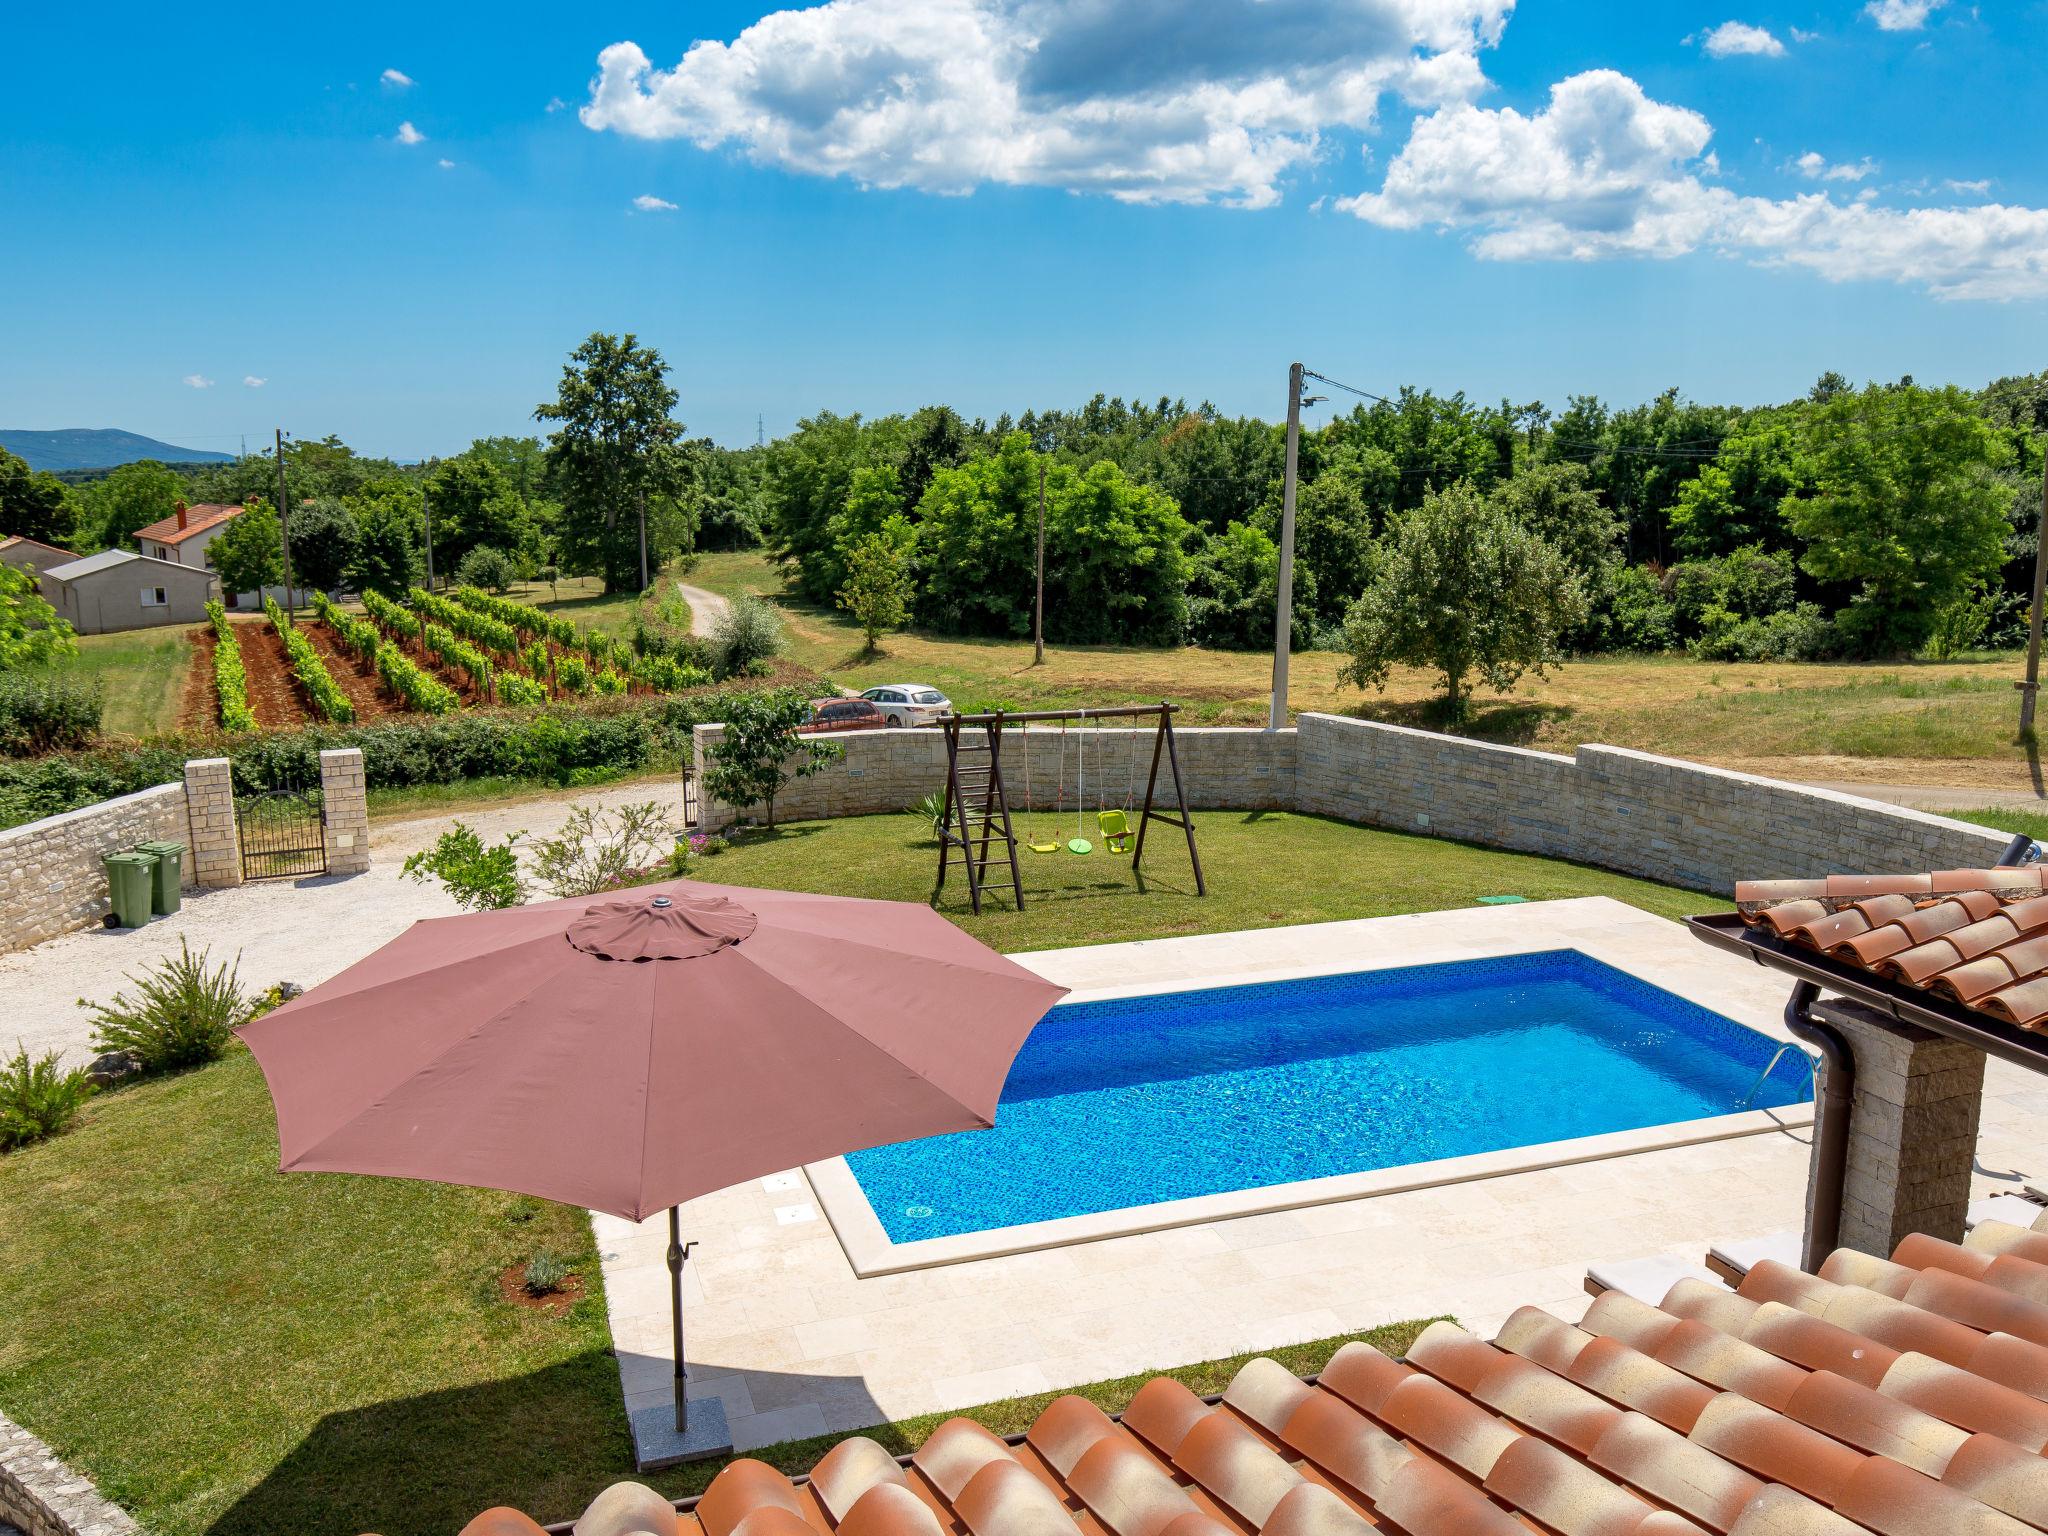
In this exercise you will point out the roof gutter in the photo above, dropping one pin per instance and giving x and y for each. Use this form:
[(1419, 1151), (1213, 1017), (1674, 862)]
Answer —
[(1830, 1124)]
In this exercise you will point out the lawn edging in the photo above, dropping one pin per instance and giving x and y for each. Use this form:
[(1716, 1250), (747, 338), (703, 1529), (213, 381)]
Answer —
[(44, 1497)]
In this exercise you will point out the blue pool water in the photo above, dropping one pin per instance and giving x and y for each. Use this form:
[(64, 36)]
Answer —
[(1143, 1099)]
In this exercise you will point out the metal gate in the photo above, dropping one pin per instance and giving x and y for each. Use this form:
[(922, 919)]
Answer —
[(283, 832)]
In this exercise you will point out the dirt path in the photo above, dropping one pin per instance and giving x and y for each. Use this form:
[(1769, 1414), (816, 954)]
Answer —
[(273, 692), (706, 608), (198, 709)]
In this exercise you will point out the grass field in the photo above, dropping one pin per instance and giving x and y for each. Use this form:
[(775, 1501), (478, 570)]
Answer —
[(231, 1350), (141, 675), (1929, 722)]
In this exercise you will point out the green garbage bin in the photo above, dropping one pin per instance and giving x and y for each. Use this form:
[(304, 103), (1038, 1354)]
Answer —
[(168, 875), (128, 887)]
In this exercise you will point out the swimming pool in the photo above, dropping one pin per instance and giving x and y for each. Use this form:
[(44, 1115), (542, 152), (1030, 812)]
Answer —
[(1133, 1101)]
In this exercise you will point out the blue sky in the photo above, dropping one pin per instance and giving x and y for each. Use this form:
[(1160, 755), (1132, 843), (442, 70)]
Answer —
[(1003, 203)]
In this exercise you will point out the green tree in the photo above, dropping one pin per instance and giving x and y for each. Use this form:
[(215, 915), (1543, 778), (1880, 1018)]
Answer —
[(1557, 503), (1233, 590), (1906, 506), (878, 585), (33, 503), (131, 497), (761, 752), (387, 553), (324, 539), (473, 504), (809, 480), (1116, 562), (30, 631), (614, 447), (249, 551), (1462, 587)]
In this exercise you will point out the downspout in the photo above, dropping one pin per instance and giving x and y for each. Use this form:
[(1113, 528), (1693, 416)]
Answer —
[(1830, 1123)]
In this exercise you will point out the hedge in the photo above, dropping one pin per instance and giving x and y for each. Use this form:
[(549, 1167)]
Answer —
[(562, 744)]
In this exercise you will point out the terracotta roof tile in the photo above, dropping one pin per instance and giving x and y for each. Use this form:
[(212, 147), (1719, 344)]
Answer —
[(198, 518)]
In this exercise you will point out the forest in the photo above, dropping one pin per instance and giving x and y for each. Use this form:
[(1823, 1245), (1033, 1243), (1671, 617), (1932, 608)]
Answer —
[(1886, 520)]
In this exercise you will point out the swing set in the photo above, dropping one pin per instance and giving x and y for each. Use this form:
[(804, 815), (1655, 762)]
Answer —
[(975, 828)]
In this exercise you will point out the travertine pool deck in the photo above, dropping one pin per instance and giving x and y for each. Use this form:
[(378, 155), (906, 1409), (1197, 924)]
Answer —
[(793, 1343)]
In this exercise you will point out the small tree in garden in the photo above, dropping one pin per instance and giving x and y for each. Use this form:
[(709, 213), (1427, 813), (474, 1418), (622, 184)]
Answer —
[(745, 633), (599, 850), (480, 878), (30, 631), (1461, 586), (878, 586), (761, 751), (249, 551), (488, 568)]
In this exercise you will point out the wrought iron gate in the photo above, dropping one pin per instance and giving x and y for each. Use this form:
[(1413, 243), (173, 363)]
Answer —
[(283, 833)]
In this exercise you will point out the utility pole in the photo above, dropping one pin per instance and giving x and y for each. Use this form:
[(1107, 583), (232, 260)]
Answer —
[(1283, 618), (284, 532), (2031, 688), (1038, 604), (640, 500), (427, 518)]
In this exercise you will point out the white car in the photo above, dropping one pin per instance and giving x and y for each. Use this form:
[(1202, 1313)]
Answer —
[(909, 703)]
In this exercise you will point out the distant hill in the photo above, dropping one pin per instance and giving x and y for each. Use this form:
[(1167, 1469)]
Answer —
[(97, 448)]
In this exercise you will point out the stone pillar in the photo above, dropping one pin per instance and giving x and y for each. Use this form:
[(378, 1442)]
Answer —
[(347, 814), (210, 802), (1912, 1130)]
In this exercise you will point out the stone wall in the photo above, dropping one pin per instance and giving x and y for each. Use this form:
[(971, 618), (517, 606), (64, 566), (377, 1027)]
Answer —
[(345, 822), (51, 879), (44, 1497), (1659, 817), (1092, 766)]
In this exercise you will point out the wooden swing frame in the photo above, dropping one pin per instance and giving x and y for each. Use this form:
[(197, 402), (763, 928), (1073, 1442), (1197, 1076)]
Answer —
[(982, 833)]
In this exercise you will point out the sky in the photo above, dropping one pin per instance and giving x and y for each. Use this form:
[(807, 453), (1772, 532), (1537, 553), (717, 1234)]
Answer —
[(393, 223)]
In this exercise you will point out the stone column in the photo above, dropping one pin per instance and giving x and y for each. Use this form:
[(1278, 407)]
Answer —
[(210, 802), (347, 815), (1912, 1130)]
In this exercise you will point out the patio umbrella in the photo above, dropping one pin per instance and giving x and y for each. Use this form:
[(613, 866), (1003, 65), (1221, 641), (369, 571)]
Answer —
[(631, 1051)]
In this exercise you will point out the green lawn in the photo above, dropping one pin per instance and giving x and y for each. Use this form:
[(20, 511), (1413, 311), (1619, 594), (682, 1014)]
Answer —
[(232, 1350), (141, 675), (2008, 819)]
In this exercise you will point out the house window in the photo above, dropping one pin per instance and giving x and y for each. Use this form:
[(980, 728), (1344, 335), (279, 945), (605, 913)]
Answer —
[(153, 597)]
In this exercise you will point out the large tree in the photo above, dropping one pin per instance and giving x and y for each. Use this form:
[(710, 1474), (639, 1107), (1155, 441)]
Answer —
[(473, 503), (249, 551), (1906, 505), (131, 497), (324, 538), (613, 451), (33, 504), (387, 556), (1462, 588)]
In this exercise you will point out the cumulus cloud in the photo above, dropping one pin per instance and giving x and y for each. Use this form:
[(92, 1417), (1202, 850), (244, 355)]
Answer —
[(1902, 15), (650, 204), (252, 381), (445, 163), (397, 79), (407, 134), (197, 381), (1142, 100), (1604, 171), (1815, 167), (1732, 39)]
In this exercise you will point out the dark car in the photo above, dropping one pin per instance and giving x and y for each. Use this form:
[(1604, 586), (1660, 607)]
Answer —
[(842, 715)]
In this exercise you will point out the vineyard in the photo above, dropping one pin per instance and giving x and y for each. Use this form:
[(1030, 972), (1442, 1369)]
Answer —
[(429, 654)]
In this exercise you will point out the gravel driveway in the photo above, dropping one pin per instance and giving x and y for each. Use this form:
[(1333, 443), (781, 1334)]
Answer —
[(284, 930)]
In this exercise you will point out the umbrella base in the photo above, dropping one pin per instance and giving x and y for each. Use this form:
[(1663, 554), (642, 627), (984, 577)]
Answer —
[(657, 1443)]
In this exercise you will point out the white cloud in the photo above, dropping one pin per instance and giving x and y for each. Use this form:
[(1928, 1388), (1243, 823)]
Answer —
[(1799, 36), (1815, 167), (556, 104), (251, 381), (1972, 188), (197, 381), (445, 163), (1143, 100), (407, 134), (1902, 15), (1604, 171), (647, 204), (398, 79), (1732, 39)]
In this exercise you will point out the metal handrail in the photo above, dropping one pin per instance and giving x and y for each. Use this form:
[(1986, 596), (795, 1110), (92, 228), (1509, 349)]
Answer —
[(1812, 1073)]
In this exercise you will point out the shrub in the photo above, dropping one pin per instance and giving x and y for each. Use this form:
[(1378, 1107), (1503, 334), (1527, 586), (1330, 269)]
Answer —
[(325, 695), (747, 632), (183, 1015), (487, 568), (230, 682), (595, 851), (1638, 616), (928, 812), (546, 1273), (38, 1098), (520, 692), (572, 673), (761, 751), (1800, 633), (47, 712), (480, 879)]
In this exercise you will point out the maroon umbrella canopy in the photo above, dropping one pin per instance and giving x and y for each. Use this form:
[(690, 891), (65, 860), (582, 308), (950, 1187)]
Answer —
[(630, 1051)]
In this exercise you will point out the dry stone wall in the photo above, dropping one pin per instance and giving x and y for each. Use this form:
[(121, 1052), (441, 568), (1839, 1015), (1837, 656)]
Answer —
[(43, 1497), (51, 880)]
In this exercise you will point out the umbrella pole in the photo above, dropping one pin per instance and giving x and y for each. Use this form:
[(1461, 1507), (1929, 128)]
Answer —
[(678, 1252)]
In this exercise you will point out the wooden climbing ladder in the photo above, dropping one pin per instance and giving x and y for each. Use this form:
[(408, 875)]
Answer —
[(974, 822)]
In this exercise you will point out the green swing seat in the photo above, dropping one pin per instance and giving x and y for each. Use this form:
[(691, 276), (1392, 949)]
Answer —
[(1116, 829)]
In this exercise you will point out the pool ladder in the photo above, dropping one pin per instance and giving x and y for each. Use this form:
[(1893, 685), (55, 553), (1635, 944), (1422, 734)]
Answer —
[(1812, 1077)]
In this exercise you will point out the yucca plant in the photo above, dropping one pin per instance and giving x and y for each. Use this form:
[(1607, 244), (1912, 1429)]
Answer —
[(38, 1098), (182, 1016)]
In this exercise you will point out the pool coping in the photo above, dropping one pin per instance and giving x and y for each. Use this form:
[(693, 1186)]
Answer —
[(871, 1251)]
